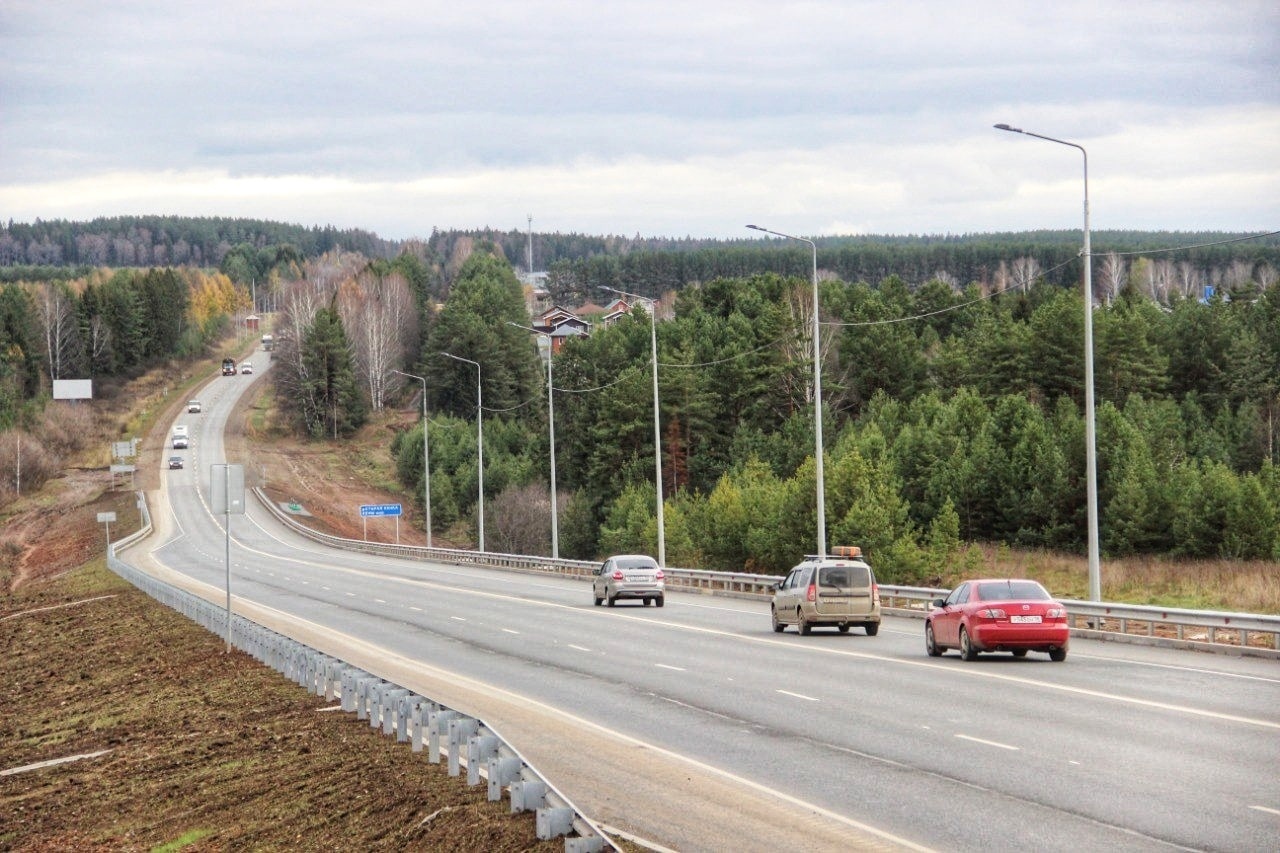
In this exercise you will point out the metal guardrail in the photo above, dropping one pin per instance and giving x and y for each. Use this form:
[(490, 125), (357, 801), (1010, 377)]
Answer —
[(463, 741), (1207, 630)]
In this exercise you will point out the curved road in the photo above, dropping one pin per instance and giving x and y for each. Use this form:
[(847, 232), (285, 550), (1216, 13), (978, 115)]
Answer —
[(697, 728)]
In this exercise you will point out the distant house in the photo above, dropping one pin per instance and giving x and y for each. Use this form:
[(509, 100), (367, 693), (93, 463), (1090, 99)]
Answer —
[(618, 309), (560, 323)]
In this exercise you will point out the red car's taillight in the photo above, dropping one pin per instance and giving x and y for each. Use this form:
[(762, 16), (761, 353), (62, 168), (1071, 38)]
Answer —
[(990, 613), (813, 592), (1056, 613)]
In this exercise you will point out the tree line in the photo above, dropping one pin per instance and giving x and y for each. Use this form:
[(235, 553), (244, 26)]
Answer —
[(145, 241), (953, 413)]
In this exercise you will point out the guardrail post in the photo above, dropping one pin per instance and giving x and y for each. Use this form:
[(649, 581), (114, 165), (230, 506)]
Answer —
[(390, 703), (364, 686), (553, 822), (460, 728), (420, 713), (480, 748), (335, 676), (437, 724), (528, 795), (502, 772)]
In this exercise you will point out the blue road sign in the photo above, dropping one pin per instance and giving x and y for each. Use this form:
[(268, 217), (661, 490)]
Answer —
[(378, 510)]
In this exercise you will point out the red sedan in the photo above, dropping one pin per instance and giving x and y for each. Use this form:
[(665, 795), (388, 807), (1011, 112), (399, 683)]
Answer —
[(1006, 615)]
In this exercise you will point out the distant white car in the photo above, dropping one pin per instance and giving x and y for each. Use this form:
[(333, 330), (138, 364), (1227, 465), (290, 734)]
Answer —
[(246, 367), (635, 576), (193, 406)]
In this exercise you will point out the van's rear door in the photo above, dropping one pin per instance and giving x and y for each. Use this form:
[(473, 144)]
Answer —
[(844, 589)]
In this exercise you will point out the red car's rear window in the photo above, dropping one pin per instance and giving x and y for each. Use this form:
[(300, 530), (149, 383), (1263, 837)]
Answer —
[(1012, 591)]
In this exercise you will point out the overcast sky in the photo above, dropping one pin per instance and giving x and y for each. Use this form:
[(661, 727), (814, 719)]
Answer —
[(654, 118)]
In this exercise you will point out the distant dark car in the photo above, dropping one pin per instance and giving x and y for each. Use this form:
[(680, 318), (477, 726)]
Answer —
[(635, 576), (1005, 615), (175, 461)]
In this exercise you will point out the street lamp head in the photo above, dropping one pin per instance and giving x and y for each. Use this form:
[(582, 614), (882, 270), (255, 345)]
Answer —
[(1008, 128), (755, 227)]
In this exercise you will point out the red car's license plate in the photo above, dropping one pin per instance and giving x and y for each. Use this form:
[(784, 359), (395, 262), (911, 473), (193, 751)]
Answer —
[(1025, 619)]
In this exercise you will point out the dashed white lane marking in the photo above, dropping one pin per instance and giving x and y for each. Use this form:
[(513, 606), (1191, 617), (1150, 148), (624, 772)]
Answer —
[(579, 648), (509, 631), (970, 672), (379, 601), (1265, 809), (668, 666), (798, 696), (351, 595), (989, 742), (416, 609), (457, 619)]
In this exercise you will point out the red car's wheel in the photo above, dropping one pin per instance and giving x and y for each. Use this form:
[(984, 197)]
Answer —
[(930, 644), (967, 649)]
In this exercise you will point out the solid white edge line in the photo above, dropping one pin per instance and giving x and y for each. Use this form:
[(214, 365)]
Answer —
[(669, 666)]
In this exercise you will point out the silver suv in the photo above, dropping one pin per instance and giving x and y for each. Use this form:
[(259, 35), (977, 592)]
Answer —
[(837, 592), (629, 576)]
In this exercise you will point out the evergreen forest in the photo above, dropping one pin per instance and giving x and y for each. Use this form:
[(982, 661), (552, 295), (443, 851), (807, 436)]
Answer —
[(952, 381)]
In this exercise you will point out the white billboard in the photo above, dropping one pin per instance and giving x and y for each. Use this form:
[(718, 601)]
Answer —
[(73, 389)]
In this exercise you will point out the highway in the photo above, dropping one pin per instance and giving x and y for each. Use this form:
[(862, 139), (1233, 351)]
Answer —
[(695, 727)]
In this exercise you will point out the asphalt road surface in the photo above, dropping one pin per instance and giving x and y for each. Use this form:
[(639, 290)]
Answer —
[(697, 728)]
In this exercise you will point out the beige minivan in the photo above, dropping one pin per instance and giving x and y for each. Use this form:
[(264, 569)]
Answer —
[(838, 592)]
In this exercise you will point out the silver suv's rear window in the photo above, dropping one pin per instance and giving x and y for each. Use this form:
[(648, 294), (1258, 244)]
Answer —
[(844, 577)]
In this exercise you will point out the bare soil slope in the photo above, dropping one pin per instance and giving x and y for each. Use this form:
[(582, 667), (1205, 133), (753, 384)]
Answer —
[(193, 747)]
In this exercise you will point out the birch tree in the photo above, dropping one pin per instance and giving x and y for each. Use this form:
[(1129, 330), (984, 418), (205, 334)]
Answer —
[(1024, 272), (1112, 275), (378, 312), (1188, 279), (56, 311)]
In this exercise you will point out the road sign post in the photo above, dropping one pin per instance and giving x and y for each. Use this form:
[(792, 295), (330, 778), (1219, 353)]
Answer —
[(106, 518), (368, 511), (226, 494)]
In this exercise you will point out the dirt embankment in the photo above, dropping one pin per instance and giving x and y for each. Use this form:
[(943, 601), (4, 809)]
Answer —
[(192, 747)]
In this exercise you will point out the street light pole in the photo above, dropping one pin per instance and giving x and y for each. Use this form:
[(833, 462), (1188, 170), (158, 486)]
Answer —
[(1091, 449), (551, 429), (479, 444), (657, 431), (817, 394), (426, 454)]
